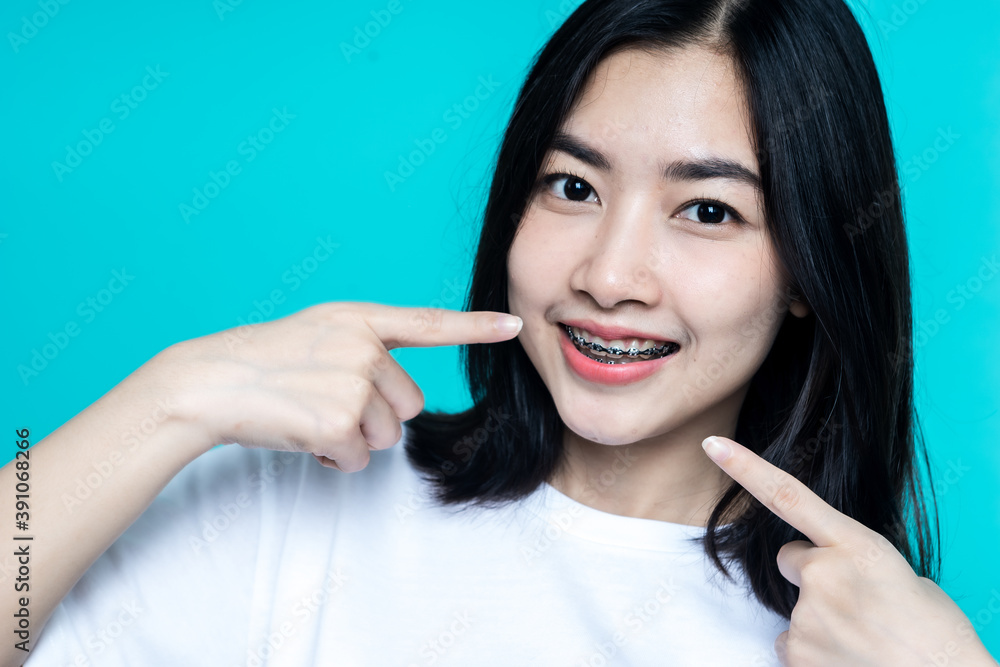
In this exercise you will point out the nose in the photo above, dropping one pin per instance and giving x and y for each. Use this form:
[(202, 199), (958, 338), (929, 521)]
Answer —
[(615, 266)]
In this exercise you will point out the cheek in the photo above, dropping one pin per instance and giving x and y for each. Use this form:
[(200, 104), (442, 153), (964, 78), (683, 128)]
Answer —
[(521, 266), (732, 299), (532, 269)]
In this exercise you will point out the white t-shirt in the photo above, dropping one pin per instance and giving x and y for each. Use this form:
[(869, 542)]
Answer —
[(257, 557)]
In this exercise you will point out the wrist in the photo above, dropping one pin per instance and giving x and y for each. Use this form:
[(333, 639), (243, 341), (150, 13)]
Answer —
[(161, 409)]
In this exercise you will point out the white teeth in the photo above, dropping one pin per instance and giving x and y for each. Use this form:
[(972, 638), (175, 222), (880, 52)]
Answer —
[(620, 344)]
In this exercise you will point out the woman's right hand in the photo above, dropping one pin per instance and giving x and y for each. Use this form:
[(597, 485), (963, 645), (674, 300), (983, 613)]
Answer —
[(320, 380)]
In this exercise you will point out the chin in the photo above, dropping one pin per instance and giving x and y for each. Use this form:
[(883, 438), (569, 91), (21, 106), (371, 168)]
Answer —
[(603, 431)]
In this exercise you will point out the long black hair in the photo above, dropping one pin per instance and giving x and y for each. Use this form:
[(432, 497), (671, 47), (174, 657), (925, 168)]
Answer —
[(833, 401)]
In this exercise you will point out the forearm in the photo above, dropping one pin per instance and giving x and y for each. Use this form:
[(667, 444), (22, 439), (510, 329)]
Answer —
[(87, 482)]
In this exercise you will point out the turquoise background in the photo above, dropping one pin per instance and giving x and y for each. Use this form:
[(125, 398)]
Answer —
[(228, 65)]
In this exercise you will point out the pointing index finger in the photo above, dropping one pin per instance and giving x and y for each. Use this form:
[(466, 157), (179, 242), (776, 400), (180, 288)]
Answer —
[(424, 327), (787, 497)]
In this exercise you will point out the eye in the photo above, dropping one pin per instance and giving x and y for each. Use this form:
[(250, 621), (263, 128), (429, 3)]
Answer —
[(710, 212), (573, 188)]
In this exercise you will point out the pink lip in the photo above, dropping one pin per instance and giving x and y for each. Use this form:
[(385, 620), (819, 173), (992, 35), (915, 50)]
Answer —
[(613, 332), (601, 373)]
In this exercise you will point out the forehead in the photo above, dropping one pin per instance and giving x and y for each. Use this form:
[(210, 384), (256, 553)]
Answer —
[(665, 104)]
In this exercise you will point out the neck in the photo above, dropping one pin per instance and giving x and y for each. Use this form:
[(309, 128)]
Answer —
[(667, 478)]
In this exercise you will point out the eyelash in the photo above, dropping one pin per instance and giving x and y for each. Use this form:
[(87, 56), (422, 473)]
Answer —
[(549, 179)]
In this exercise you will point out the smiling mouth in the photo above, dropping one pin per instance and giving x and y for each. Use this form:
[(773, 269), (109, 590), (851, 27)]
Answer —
[(617, 355)]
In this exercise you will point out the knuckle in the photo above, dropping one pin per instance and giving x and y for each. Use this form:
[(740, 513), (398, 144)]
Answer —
[(372, 359), (785, 498), (324, 312), (376, 361), (335, 426), (364, 389), (813, 572), (333, 317), (428, 320)]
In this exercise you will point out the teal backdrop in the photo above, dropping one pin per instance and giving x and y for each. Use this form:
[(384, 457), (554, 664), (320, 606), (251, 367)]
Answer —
[(173, 169)]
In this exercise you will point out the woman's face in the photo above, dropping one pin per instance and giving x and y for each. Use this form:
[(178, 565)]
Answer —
[(647, 224)]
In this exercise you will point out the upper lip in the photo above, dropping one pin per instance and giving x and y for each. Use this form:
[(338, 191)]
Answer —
[(610, 332)]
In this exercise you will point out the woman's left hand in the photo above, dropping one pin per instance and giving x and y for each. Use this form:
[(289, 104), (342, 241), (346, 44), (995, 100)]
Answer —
[(860, 603)]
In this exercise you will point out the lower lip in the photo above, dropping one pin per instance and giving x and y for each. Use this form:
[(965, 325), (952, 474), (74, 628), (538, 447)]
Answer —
[(601, 373)]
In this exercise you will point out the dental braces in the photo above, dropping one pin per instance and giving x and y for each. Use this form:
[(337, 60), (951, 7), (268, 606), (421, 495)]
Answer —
[(631, 352)]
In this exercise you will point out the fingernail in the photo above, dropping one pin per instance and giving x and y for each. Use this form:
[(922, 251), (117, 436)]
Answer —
[(509, 323), (717, 450)]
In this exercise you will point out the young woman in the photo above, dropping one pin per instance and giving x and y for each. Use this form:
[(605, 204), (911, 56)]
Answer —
[(672, 227)]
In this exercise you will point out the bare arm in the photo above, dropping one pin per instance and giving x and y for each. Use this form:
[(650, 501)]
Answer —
[(88, 481), (284, 385)]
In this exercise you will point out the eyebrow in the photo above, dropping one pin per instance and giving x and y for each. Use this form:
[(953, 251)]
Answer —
[(569, 144), (678, 170)]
